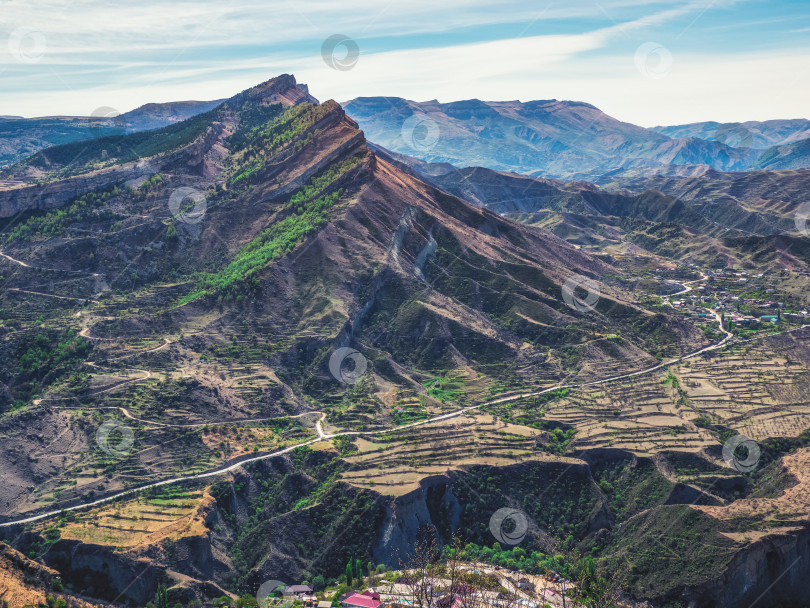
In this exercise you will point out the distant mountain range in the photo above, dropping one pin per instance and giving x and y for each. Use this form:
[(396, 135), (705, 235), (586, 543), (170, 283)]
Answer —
[(567, 139), (549, 138), (713, 218)]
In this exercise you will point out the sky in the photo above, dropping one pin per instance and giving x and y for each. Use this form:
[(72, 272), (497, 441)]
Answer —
[(647, 62)]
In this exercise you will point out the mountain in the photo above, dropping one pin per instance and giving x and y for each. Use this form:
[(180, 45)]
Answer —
[(251, 347), (308, 242), (751, 134), (774, 196), (157, 115), (26, 582), (21, 137), (551, 138)]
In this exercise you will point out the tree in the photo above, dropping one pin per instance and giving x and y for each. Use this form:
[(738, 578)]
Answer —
[(563, 556), (430, 570), (349, 577), (318, 583), (592, 588), (162, 598), (358, 572), (420, 573)]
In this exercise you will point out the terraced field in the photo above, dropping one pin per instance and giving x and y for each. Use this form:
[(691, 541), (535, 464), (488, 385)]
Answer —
[(143, 521), (393, 464), (755, 388)]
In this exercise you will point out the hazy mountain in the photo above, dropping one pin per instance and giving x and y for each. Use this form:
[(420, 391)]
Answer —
[(795, 155), (550, 138), (751, 134), (773, 194), (677, 217)]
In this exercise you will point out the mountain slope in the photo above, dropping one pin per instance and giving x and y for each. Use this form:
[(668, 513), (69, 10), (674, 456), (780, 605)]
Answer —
[(794, 155), (704, 218), (21, 137), (326, 351), (774, 195), (25, 582)]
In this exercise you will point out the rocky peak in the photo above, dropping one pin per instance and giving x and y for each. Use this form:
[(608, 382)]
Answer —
[(283, 89)]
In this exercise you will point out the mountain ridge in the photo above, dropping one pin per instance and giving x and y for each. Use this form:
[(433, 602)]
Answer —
[(758, 134), (549, 138)]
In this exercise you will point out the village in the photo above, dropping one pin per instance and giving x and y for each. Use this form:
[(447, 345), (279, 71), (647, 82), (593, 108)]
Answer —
[(744, 301), (462, 585)]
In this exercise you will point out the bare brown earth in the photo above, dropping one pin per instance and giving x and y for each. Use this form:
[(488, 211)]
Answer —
[(25, 582), (788, 512)]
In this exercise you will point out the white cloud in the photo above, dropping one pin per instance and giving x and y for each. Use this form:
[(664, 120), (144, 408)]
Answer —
[(723, 87), (101, 53)]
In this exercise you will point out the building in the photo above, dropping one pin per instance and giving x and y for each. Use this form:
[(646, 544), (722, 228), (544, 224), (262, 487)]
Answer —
[(367, 599), (298, 590), (524, 584)]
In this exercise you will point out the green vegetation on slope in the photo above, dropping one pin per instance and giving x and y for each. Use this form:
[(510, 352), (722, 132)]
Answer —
[(317, 184), (56, 222), (83, 156), (264, 140), (240, 276), (308, 207), (83, 208), (669, 547), (45, 356), (300, 508), (42, 351)]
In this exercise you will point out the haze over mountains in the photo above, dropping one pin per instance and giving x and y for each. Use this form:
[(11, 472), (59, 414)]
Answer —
[(558, 139), (752, 133), (564, 139)]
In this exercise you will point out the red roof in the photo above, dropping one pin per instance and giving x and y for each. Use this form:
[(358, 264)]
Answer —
[(364, 601)]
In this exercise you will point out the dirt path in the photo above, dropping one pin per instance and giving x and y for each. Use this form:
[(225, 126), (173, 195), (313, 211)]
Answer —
[(26, 265), (116, 385), (166, 342), (50, 295), (16, 261)]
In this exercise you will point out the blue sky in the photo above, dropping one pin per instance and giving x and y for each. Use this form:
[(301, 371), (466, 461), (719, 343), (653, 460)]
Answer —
[(646, 62)]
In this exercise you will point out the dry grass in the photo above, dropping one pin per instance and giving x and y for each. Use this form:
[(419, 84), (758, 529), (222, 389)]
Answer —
[(789, 511), (394, 463), (757, 389), (143, 521)]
